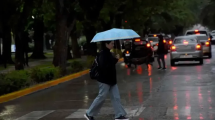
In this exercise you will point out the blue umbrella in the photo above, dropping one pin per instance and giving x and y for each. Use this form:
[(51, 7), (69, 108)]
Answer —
[(115, 34)]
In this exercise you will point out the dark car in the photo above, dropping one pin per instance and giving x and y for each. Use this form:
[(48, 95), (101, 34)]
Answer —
[(138, 52)]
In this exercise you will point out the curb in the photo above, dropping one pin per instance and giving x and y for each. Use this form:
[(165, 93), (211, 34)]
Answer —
[(38, 87)]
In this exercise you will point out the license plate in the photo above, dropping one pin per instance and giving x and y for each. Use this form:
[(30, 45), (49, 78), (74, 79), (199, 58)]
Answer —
[(187, 47), (127, 55), (186, 56), (155, 47), (205, 48)]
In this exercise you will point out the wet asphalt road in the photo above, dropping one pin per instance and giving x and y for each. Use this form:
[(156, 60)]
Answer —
[(184, 92)]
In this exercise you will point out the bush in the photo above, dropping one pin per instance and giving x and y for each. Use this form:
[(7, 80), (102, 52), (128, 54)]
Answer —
[(76, 66), (89, 61), (43, 74), (13, 81)]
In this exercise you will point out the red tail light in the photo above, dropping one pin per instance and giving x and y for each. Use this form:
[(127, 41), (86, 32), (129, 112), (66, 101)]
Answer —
[(164, 41), (207, 43), (137, 40), (173, 48), (170, 42), (209, 39), (148, 45), (157, 44), (127, 52), (198, 47)]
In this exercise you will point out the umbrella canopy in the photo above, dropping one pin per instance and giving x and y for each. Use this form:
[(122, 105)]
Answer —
[(115, 34)]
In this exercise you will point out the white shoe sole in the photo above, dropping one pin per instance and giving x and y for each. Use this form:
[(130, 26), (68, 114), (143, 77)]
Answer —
[(86, 117)]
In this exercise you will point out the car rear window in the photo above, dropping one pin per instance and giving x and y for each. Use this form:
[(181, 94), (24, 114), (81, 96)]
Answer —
[(140, 43), (195, 33), (181, 40), (154, 39), (202, 38), (152, 35)]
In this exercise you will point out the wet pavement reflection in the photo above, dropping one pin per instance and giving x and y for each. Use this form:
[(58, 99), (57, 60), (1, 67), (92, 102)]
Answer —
[(182, 92)]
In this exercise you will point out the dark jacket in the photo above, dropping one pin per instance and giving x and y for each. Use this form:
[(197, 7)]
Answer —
[(161, 48), (107, 67)]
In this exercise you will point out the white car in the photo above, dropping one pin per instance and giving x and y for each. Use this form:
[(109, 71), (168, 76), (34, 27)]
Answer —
[(206, 44), (186, 48)]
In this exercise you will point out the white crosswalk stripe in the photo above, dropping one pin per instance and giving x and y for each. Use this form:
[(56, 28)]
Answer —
[(35, 115), (107, 110)]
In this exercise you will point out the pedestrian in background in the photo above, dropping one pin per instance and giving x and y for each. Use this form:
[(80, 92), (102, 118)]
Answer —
[(161, 51), (107, 84)]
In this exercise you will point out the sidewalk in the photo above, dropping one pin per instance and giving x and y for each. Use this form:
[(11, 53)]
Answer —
[(31, 64), (34, 63)]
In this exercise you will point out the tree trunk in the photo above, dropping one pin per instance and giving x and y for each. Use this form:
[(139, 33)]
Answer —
[(75, 46), (38, 40), (7, 45), (61, 42), (20, 38), (19, 55), (91, 47)]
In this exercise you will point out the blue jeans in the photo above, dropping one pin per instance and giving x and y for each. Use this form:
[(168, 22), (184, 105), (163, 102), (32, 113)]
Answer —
[(104, 89), (161, 56)]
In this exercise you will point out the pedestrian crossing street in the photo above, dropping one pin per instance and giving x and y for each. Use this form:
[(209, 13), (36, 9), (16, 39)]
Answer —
[(140, 113), (37, 115)]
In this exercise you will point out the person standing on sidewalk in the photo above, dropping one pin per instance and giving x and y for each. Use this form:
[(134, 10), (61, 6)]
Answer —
[(161, 51), (107, 84)]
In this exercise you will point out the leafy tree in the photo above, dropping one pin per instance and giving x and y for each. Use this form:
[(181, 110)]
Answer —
[(5, 28), (23, 11), (64, 24), (38, 27), (92, 10), (207, 14)]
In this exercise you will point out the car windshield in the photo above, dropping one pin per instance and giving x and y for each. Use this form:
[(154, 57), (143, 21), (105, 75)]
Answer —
[(181, 40), (194, 33)]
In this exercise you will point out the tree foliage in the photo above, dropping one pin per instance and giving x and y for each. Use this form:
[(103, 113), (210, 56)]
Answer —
[(84, 17), (208, 14)]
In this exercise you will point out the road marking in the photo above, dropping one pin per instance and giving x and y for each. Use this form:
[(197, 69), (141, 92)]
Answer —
[(35, 115), (139, 111), (106, 111), (183, 111)]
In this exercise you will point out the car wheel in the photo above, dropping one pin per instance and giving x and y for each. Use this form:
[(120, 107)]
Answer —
[(201, 61), (172, 62), (210, 55)]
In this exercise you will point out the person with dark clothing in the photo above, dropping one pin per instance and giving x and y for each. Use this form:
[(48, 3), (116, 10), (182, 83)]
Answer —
[(107, 81), (161, 51)]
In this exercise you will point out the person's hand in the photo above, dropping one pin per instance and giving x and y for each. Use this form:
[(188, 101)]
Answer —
[(117, 56)]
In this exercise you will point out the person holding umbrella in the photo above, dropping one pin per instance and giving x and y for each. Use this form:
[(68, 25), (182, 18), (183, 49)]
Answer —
[(107, 84), (106, 73)]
